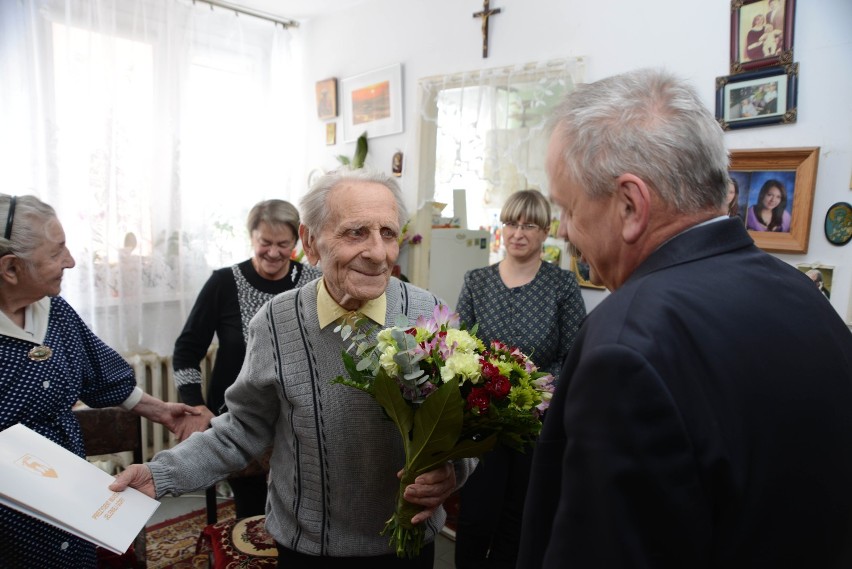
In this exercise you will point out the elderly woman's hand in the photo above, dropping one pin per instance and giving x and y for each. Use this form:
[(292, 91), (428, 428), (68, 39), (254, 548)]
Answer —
[(431, 489), (170, 415)]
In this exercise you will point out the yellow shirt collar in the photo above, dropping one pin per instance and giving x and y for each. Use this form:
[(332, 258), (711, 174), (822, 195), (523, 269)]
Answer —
[(329, 311)]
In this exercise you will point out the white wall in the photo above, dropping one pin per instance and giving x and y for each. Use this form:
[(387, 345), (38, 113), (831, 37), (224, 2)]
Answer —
[(689, 37)]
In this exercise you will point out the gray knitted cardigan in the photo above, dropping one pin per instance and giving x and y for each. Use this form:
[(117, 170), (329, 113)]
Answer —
[(335, 456)]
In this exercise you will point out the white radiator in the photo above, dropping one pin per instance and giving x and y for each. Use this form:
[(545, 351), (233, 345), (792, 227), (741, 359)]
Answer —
[(155, 376)]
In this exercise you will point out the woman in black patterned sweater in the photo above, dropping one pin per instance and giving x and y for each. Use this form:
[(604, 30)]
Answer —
[(225, 305), (536, 307)]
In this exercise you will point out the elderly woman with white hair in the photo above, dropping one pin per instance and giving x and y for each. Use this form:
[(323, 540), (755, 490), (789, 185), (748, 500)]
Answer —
[(50, 359)]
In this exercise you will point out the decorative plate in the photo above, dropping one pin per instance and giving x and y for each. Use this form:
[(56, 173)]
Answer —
[(838, 223)]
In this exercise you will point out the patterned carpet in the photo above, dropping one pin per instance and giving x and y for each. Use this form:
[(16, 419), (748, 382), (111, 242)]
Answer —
[(171, 544)]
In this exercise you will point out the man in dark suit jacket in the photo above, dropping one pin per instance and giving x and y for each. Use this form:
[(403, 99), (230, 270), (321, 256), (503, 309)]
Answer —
[(703, 418)]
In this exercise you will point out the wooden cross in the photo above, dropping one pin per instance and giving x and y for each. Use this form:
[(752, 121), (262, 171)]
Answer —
[(485, 14)]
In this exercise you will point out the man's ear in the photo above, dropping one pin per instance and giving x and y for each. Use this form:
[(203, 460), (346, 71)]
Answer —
[(634, 202), (9, 267), (308, 244)]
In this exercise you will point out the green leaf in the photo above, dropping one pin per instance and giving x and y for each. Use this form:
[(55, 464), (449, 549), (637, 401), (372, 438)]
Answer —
[(360, 151), (437, 425), (366, 363), (402, 321), (387, 394), (465, 448)]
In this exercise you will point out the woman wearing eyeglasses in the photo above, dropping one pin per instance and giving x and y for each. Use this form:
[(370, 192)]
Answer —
[(538, 308), (50, 359), (225, 305)]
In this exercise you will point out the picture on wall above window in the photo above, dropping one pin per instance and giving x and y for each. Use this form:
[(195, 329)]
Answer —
[(372, 102), (326, 98), (761, 33), (776, 193), (330, 133), (758, 98)]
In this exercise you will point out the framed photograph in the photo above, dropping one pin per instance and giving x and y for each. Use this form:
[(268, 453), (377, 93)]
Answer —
[(758, 98), (838, 224), (822, 275), (581, 271), (372, 103), (330, 133), (761, 33), (776, 189), (327, 98)]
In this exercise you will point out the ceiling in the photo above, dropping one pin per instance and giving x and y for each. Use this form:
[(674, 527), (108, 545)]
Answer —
[(296, 9)]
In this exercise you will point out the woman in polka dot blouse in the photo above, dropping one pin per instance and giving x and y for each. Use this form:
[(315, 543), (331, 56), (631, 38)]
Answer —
[(536, 307), (49, 359)]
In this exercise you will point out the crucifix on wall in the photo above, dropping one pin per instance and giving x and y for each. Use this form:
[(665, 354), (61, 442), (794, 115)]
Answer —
[(486, 13)]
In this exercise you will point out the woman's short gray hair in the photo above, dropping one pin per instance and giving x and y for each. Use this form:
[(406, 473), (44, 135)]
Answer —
[(273, 212), (314, 205), (30, 217)]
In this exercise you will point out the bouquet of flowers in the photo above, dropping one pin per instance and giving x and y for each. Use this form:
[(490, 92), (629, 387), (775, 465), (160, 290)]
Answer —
[(449, 395)]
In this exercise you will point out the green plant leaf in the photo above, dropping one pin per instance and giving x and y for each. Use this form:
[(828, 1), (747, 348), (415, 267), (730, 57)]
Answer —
[(360, 151), (437, 425), (387, 394)]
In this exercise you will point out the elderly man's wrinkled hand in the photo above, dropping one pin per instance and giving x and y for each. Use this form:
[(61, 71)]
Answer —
[(430, 490), (136, 476)]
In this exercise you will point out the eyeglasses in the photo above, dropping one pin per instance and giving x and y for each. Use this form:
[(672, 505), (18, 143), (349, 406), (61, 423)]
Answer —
[(514, 226), (11, 217)]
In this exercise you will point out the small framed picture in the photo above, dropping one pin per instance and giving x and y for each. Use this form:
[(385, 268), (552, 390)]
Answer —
[(822, 275), (776, 193), (372, 102), (761, 34), (758, 98), (327, 98), (330, 133), (581, 272)]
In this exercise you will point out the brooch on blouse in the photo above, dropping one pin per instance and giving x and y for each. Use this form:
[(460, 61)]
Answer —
[(40, 353)]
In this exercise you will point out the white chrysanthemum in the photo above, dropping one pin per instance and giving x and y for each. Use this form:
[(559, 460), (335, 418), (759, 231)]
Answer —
[(465, 342), (384, 339), (386, 360), (465, 365)]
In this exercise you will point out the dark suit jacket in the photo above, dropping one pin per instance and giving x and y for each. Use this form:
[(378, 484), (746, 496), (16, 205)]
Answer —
[(703, 419)]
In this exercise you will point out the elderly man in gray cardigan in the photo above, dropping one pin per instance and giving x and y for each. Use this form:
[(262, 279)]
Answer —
[(333, 475)]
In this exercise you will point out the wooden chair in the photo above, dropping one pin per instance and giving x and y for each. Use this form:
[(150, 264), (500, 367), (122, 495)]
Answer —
[(107, 431)]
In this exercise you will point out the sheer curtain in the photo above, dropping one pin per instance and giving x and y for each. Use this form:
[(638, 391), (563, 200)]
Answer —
[(152, 126), (484, 131)]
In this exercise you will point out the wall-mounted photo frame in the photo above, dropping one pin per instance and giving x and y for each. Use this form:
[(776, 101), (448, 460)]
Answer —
[(822, 275), (761, 33), (326, 98), (330, 133), (777, 195), (838, 224), (581, 271), (372, 102), (758, 98)]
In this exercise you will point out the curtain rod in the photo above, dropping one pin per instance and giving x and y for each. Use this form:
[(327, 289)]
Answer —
[(251, 12)]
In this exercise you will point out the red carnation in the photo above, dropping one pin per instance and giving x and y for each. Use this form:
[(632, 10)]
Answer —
[(498, 387), (489, 370), (478, 398)]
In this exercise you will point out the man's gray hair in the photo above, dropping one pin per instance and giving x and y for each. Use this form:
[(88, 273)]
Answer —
[(649, 123), (28, 225), (315, 207)]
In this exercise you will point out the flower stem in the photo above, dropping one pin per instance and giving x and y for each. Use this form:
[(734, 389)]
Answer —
[(405, 538)]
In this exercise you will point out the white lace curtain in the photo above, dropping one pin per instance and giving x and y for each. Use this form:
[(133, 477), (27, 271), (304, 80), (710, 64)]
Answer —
[(152, 126), (485, 131)]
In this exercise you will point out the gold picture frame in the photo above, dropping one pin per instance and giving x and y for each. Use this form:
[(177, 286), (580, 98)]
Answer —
[(798, 165), (581, 272), (326, 93)]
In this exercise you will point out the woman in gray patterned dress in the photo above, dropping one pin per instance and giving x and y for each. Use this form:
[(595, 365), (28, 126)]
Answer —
[(538, 308), (225, 305)]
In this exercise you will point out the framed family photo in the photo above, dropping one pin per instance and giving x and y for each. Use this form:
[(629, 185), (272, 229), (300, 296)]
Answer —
[(326, 93), (581, 272), (758, 98), (776, 194), (372, 102), (761, 33)]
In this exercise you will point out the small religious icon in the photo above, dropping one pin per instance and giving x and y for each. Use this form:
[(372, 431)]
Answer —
[(40, 353), (396, 163), (485, 14)]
